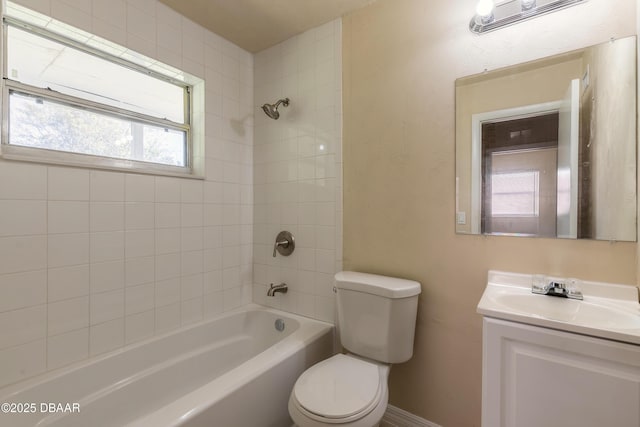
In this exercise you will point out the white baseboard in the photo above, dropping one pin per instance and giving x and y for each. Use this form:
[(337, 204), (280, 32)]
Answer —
[(396, 417)]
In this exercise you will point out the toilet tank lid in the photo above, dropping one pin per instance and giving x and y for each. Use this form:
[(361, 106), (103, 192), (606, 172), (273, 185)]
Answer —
[(385, 286)]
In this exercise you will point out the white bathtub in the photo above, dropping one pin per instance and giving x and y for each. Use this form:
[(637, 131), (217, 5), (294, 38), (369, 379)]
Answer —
[(234, 370)]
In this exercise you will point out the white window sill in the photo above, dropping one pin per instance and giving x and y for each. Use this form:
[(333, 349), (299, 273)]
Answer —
[(35, 155)]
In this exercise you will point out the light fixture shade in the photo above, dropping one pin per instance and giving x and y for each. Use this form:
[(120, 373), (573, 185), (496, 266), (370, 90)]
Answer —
[(485, 8), (513, 11)]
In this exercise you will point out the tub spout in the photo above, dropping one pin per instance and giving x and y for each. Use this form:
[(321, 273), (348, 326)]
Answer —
[(282, 287)]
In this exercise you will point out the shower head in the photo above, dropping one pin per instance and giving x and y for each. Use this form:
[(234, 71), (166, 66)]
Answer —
[(271, 110)]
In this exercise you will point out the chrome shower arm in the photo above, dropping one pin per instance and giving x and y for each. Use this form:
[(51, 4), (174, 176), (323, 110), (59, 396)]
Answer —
[(284, 102)]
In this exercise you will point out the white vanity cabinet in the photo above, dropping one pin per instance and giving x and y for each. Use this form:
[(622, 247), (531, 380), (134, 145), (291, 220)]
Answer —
[(540, 377)]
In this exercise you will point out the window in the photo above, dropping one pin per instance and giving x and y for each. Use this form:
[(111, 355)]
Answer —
[(62, 95), (515, 194)]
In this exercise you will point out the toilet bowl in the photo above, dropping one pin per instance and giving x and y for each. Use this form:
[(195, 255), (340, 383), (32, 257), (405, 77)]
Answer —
[(377, 317), (344, 390)]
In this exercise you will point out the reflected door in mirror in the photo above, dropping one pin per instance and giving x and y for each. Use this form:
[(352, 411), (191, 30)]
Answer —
[(519, 175)]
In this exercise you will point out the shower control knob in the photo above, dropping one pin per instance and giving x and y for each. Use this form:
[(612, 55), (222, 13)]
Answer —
[(285, 244)]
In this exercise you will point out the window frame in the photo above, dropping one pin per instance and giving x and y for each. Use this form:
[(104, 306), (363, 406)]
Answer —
[(44, 155)]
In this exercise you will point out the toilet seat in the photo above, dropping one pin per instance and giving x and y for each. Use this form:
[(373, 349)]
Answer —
[(340, 389)]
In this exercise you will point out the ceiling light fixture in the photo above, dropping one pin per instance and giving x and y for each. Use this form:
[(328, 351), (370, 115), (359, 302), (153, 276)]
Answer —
[(484, 10), (490, 16)]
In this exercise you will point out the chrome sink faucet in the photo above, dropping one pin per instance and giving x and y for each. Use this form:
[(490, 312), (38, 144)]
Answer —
[(545, 286), (282, 288)]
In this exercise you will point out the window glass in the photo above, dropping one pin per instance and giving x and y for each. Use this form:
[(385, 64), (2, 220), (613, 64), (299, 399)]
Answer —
[(515, 193), (42, 123), (43, 63)]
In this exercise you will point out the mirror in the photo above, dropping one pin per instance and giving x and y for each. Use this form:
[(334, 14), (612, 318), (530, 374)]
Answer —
[(548, 148)]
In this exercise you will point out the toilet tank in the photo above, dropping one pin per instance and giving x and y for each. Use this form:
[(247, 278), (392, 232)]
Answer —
[(377, 315)]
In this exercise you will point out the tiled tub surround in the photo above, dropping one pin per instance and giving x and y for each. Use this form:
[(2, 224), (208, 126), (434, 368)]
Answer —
[(93, 260), (298, 170)]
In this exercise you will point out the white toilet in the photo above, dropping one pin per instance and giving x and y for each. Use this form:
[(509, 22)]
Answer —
[(376, 320)]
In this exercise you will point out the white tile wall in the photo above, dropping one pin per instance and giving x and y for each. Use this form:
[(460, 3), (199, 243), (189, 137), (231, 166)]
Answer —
[(298, 170), (93, 260)]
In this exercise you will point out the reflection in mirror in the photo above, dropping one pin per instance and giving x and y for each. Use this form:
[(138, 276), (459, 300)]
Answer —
[(548, 148)]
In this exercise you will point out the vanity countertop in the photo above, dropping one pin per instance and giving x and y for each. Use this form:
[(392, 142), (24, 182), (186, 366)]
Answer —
[(608, 311)]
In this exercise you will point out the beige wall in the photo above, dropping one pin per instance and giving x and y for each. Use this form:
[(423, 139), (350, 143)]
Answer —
[(401, 59), (613, 74), (638, 131)]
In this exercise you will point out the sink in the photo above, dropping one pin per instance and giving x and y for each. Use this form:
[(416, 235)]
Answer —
[(562, 309), (569, 310), (607, 311)]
